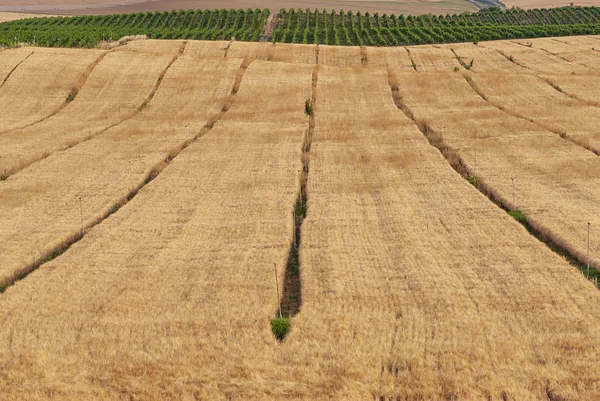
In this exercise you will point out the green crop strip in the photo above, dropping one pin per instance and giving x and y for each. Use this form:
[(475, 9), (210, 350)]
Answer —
[(306, 26)]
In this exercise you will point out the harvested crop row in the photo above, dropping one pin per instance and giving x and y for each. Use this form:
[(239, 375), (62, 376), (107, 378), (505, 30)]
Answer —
[(486, 59), (41, 84), (415, 286), (532, 98), (577, 54), (580, 87), (535, 59), (433, 58), (113, 92), (181, 278), (201, 48), (394, 57), (557, 183), (44, 206), (339, 55), (10, 61)]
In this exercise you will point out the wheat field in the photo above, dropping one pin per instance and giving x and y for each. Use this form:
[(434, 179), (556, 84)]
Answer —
[(150, 189)]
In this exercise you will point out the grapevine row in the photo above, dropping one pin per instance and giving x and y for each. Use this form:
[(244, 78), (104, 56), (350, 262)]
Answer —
[(87, 31), (306, 26)]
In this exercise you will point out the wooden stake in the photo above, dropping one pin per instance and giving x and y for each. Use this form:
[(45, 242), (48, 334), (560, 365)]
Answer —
[(588, 251), (277, 286), (513, 191), (81, 213)]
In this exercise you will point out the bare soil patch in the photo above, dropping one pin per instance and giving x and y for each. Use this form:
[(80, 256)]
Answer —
[(81, 7)]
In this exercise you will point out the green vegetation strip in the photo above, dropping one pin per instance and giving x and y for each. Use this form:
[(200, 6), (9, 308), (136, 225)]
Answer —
[(306, 26), (280, 327), (592, 273)]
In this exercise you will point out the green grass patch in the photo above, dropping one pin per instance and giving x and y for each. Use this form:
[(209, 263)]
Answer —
[(300, 210), (519, 216), (308, 107), (280, 327)]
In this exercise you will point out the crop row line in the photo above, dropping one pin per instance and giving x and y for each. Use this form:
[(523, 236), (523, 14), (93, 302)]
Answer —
[(305, 26)]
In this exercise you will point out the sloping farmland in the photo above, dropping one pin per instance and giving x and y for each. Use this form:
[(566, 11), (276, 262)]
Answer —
[(433, 58), (116, 90), (415, 286), (41, 84), (532, 98), (10, 60), (340, 55), (572, 53), (394, 57), (485, 59), (557, 183), (47, 206), (181, 276), (535, 59)]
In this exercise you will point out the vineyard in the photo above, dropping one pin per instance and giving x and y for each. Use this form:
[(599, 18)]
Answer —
[(87, 31), (305, 26), (350, 28)]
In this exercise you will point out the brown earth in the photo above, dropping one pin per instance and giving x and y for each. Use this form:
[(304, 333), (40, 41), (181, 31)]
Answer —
[(12, 16), (547, 3), (80, 7)]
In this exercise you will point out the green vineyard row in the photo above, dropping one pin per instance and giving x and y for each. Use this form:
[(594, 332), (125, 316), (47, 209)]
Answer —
[(305, 26)]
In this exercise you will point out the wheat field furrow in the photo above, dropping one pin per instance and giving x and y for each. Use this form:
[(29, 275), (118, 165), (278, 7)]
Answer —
[(40, 85), (410, 286), (568, 51), (433, 58), (538, 60), (394, 57), (580, 87), (138, 255), (485, 59), (534, 99), (10, 61), (201, 49), (199, 241), (43, 206), (105, 101), (555, 180)]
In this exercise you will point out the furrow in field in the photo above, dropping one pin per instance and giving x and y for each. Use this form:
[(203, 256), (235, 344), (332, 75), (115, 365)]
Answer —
[(392, 57), (10, 62), (291, 299), (45, 207), (115, 91), (556, 182), (536, 59), (576, 53), (414, 283), (203, 48), (181, 275), (534, 99), (433, 58), (41, 85), (484, 59), (579, 87), (573, 85)]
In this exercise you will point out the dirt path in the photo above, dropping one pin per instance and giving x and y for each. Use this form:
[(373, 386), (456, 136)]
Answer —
[(269, 28), (82, 7)]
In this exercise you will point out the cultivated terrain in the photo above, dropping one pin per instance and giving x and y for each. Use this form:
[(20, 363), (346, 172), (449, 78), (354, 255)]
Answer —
[(426, 209)]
